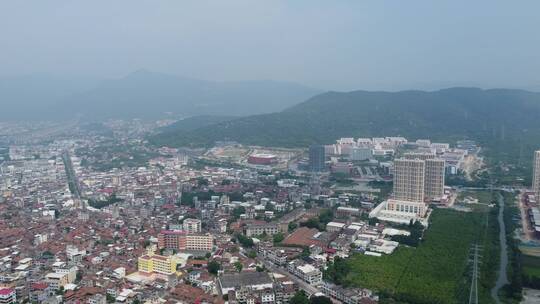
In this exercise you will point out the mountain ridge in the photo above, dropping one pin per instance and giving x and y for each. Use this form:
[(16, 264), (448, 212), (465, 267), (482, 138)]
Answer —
[(488, 116), (147, 95)]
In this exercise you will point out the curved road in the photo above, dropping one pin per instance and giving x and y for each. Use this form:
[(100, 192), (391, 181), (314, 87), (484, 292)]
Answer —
[(502, 278)]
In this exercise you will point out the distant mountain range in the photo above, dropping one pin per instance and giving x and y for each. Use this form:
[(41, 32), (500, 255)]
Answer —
[(37, 97), (496, 116), (145, 95)]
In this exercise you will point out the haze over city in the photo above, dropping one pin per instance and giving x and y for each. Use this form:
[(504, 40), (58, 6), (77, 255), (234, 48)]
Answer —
[(338, 45), (269, 152)]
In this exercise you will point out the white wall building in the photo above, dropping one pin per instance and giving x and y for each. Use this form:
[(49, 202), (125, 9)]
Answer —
[(192, 225)]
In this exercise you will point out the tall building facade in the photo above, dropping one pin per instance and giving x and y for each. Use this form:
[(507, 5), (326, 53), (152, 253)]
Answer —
[(317, 157), (434, 174), (409, 175), (434, 178), (536, 175)]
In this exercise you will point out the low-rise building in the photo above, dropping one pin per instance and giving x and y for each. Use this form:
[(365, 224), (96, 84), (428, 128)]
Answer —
[(56, 280), (306, 272), (252, 280), (334, 226), (349, 295), (258, 229)]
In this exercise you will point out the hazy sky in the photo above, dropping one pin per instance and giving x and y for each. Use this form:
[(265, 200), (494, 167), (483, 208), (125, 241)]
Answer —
[(340, 45)]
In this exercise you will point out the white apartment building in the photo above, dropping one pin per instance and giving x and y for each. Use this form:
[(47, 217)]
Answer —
[(360, 153), (306, 272), (56, 280), (97, 299), (70, 272), (192, 225)]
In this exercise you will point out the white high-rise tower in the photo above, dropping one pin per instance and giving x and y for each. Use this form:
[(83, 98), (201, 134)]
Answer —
[(536, 175)]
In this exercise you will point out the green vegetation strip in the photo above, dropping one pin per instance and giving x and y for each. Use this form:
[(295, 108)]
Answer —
[(436, 271)]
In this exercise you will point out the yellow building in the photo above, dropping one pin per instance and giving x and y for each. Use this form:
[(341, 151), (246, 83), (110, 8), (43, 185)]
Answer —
[(154, 263), (57, 280), (145, 264)]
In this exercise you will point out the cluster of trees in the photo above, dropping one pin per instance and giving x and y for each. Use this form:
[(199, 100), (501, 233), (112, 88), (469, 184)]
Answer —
[(416, 229), (514, 289), (245, 241), (214, 267), (301, 298), (292, 226), (129, 155), (238, 266), (384, 187), (459, 179), (531, 281), (337, 271), (320, 222), (434, 271), (200, 163), (187, 198), (102, 204), (341, 179), (278, 238), (238, 211)]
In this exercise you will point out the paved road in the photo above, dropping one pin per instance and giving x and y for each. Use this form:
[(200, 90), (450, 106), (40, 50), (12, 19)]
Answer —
[(502, 278), (71, 176)]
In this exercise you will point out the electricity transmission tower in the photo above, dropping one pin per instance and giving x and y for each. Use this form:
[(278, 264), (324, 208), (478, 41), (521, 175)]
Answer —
[(473, 293)]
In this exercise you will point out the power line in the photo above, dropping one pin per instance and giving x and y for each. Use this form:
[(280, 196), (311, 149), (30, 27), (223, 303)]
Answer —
[(473, 293)]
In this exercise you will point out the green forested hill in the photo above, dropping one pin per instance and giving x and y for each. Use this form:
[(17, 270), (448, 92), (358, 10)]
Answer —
[(495, 118), (195, 122)]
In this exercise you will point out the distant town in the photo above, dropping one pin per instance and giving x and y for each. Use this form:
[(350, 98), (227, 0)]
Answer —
[(94, 216)]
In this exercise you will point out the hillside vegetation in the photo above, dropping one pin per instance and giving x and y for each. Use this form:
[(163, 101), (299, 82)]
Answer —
[(195, 122), (496, 118)]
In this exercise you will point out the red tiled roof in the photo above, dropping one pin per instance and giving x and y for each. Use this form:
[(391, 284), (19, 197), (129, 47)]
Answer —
[(39, 286), (6, 291), (172, 232)]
